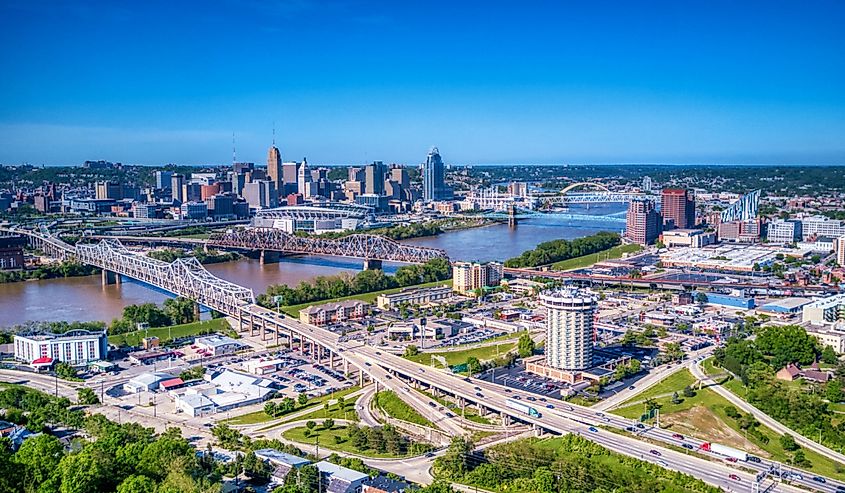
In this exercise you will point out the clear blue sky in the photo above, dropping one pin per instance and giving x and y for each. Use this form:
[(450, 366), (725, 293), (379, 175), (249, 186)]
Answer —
[(488, 82)]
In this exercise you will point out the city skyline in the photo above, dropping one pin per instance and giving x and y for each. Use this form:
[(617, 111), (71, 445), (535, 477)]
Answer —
[(353, 83)]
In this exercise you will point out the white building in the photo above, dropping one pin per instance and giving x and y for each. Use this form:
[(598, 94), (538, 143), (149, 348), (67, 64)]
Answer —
[(145, 382), (834, 337), (419, 296), (569, 328), (217, 345), (339, 479), (784, 231), (821, 226), (75, 347), (226, 390), (693, 238)]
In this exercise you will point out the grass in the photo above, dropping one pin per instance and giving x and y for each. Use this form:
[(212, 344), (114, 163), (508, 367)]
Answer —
[(459, 357), (675, 382), (293, 310), (334, 412), (327, 439), (173, 332), (588, 260), (393, 406), (257, 417), (704, 416)]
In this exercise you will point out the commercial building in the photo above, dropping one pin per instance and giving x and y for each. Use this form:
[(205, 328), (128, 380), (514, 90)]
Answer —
[(786, 306), (281, 463), (434, 177), (732, 301), (692, 238), (11, 252), (677, 208), (420, 296), (110, 190), (217, 345), (177, 183), (146, 382), (725, 257), (839, 250), (569, 328), (194, 210), (329, 313), (740, 231), (261, 194), (374, 178), (814, 226), (784, 231), (833, 337), (745, 208), (825, 311), (224, 391), (76, 347), (467, 277), (164, 179), (339, 479), (274, 166), (643, 222)]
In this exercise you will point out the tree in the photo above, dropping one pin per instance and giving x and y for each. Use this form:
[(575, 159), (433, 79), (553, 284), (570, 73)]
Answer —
[(676, 399), (689, 392), (411, 350), (270, 409), (833, 391), (701, 298), (302, 399), (310, 425), (828, 355), (341, 403), (787, 442), (65, 371), (136, 483), (86, 396), (81, 473), (328, 424), (787, 344), (525, 347), (39, 456), (473, 365)]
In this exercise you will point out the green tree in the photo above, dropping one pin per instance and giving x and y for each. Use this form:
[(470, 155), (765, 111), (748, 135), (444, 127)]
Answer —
[(86, 396), (328, 424), (82, 473), (828, 356), (473, 365), (787, 442), (310, 425), (525, 347), (302, 399), (136, 483), (833, 391), (411, 350), (39, 457)]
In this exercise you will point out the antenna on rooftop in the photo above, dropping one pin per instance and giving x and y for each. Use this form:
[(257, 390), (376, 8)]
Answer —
[(234, 158), (274, 132)]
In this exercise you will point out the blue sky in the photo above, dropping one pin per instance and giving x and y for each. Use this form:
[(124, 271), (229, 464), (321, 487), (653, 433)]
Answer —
[(487, 82)]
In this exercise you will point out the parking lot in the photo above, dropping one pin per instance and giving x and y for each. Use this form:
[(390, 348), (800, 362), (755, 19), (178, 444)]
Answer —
[(518, 378)]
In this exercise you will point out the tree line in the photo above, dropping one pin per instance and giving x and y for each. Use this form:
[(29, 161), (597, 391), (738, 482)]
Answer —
[(175, 311), (557, 250), (49, 271), (367, 281), (211, 257)]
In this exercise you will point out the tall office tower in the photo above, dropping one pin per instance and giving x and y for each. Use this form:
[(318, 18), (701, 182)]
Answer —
[(643, 222), (569, 328), (374, 178), (839, 249), (243, 167), (261, 194), (290, 173), (274, 167), (163, 179), (303, 178), (109, 190), (356, 174), (400, 175), (434, 177), (646, 184), (518, 188), (678, 208), (176, 182)]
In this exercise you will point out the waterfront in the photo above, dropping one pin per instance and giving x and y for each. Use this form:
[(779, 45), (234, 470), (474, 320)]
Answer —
[(84, 298)]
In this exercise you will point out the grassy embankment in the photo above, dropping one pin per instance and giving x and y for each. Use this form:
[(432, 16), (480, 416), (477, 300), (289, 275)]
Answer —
[(334, 439), (483, 353), (588, 260), (174, 332), (393, 406), (703, 416), (316, 403), (293, 310)]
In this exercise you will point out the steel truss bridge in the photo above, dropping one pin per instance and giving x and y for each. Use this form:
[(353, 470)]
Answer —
[(391, 371), (566, 216), (363, 246)]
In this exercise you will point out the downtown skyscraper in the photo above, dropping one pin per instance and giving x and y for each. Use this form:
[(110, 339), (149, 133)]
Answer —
[(434, 177)]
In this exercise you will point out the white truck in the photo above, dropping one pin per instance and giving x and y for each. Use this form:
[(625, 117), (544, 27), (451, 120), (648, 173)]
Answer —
[(523, 408), (718, 448)]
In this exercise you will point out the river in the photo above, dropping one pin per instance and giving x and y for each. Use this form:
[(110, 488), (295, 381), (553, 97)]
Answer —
[(84, 298)]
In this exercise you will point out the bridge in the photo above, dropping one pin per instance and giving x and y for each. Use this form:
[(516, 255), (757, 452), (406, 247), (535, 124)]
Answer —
[(564, 216), (396, 373), (372, 248), (599, 195)]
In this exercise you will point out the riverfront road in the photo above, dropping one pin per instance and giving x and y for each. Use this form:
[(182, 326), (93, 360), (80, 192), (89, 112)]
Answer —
[(763, 417)]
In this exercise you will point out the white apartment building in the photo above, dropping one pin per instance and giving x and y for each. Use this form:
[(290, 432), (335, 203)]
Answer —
[(569, 328)]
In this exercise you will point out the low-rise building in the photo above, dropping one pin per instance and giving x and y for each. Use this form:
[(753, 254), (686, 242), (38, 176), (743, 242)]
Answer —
[(146, 382), (76, 347), (833, 337), (339, 479), (825, 311), (217, 345), (329, 313), (693, 238), (419, 296), (281, 463), (522, 286)]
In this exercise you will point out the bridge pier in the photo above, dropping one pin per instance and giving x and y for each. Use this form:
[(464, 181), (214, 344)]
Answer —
[(372, 264), (110, 277), (269, 257)]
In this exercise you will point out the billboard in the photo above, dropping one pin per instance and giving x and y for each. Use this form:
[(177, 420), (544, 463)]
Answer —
[(743, 209)]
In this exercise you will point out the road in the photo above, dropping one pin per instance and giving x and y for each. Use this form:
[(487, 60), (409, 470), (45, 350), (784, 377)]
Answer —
[(653, 378), (763, 417)]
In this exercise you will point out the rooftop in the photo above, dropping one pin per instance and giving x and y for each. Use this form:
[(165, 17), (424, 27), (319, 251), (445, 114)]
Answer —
[(340, 472)]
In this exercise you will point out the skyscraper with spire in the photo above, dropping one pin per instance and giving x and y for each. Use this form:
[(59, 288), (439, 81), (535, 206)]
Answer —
[(434, 177), (274, 164)]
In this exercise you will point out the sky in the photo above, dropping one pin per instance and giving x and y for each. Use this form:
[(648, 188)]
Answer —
[(349, 82)]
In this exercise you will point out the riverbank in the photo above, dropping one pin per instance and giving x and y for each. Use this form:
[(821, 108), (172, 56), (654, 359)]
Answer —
[(49, 271), (293, 310), (585, 261)]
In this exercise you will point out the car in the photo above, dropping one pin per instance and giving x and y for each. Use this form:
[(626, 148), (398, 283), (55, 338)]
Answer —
[(734, 477), (640, 426), (508, 391), (819, 479), (754, 459), (840, 489), (432, 404), (599, 414), (422, 370), (731, 459), (570, 408), (478, 394), (368, 363), (593, 429), (517, 397), (531, 398), (630, 428), (662, 463), (467, 379), (388, 377), (378, 353), (429, 454), (606, 419), (631, 387), (542, 399), (677, 436), (449, 415), (688, 446), (655, 452), (550, 406)]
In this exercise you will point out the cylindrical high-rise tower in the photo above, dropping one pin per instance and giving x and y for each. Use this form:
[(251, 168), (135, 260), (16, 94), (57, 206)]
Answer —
[(569, 328)]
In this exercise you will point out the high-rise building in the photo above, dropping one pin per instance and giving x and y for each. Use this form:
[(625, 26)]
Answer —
[(646, 184), (243, 167), (261, 194), (518, 188), (784, 231), (400, 176), (303, 178), (109, 190), (467, 277), (839, 249), (677, 208), (643, 222), (374, 178), (569, 328), (434, 177), (176, 183), (274, 167), (163, 179)]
